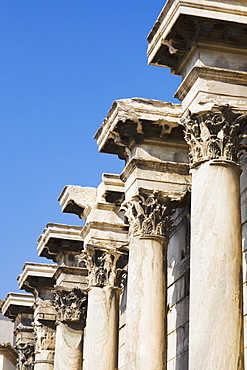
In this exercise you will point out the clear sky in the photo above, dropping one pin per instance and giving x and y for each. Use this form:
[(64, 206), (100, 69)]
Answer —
[(63, 63)]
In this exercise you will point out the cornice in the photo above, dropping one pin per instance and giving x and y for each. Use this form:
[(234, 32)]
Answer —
[(234, 11), (8, 351), (131, 114), (51, 242), (35, 275), (15, 303), (213, 73), (170, 167)]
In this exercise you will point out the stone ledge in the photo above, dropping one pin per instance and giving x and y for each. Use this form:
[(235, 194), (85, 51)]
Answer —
[(8, 351)]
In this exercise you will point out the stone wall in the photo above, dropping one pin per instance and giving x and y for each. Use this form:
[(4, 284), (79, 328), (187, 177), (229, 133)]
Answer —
[(178, 293), (243, 184)]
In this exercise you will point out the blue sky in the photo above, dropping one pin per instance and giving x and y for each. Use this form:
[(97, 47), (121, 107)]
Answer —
[(62, 64)]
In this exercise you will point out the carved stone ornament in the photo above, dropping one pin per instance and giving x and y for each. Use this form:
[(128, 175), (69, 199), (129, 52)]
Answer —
[(149, 215), (216, 134), (25, 360), (102, 268), (45, 337), (71, 306)]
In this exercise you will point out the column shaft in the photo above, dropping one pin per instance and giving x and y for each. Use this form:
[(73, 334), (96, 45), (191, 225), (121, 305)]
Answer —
[(68, 351), (146, 305), (216, 329), (101, 342), (44, 360)]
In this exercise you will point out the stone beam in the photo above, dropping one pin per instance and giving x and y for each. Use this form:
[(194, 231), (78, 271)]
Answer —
[(111, 189), (165, 47), (206, 44), (69, 277), (60, 243), (14, 303), (74, 199), (135, 118), (8, 352), (36, 277)]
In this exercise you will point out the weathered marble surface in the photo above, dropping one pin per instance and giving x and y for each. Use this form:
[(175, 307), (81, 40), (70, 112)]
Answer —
[(216, 331), (146, 306), (68, 354), (101, 342), (231, 10), (44, 360), (8, 356)]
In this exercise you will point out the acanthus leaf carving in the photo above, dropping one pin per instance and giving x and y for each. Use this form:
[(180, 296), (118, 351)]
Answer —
[(103, 269), (216, 134), (71, 306), (25, 359), (149, 214), (45, 337)]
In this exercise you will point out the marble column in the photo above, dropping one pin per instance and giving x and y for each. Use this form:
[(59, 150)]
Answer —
[(216, 322), (71, 307), (150, 224), (105, 277), (19, 308), (38, 279)]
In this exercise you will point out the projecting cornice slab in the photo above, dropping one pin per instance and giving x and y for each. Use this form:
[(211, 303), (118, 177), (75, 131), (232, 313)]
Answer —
[(8, 351), (15, 303), (181, 22), (58, 239), (136, 119), (35, 275), (111, 189), (74, 199)]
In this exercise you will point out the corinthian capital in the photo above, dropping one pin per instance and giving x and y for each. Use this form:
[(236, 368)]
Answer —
[(215, 134), (71, 306), (45, 337), (25, 360), (105, 268), (149, 215)]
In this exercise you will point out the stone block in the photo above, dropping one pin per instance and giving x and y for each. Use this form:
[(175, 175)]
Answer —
[(245, 298), (178, 315), (178, 342), (178, 290), (179, 363)]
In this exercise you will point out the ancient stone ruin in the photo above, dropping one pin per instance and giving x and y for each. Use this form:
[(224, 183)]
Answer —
[(156, 278)]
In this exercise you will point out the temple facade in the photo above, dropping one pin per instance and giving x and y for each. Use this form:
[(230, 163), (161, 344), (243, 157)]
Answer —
[(156, 276)]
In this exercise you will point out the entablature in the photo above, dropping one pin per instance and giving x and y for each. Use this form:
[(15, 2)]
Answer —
[(59, 239), (110, 190), (16, 303), (181, 23), (68, 277), (8, 351), (75, 199), (36, 277), (130, 122)]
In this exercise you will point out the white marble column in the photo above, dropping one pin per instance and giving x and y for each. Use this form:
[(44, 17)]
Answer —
[(71, 307), (101, 342), (150, 224), (146, 305), (68, 353), (102, 326), (216, 322)]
